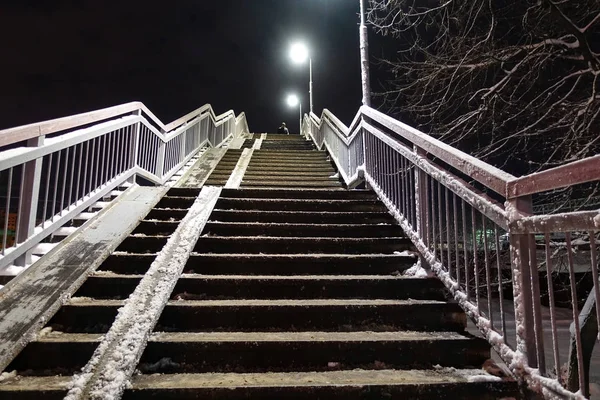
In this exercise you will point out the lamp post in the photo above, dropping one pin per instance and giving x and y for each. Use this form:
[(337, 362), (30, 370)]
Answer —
[(299, 54), (293, 101), (364, 57)]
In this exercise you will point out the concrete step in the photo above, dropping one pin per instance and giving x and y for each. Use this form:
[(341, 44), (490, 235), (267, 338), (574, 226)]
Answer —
[(290, 229), (166, 214), (230, 287), (177, 202), (295, 245), (322, 217), (225, 203), (245, 352), (142, 244), (268, 177), (291, 168), (258, 154), (183, 192), (82, 315), (439, 384), (270, 264), (323, 174), (155, 228), (324, 194), (288, 183), (289, 163)]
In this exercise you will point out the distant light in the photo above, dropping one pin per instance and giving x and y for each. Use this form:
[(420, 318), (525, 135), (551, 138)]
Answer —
[(292, 100), (298, 53)]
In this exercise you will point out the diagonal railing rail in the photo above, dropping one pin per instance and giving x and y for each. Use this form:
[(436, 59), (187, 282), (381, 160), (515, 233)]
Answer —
[(52, 171), (474, 226)]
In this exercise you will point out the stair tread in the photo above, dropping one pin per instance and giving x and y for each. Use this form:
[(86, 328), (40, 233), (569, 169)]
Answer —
[(359, 336), (330, 378), (110, 275), (85, 301)]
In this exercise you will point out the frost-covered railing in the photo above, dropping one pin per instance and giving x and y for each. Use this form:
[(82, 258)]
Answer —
[(515, 273), (53, 170)]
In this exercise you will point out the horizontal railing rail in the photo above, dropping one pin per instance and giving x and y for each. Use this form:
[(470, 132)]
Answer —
[(52, 171), (519, 276)]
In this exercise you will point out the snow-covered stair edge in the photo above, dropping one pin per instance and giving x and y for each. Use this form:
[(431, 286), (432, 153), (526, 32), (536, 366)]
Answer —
[(107, 373), (181, 172)]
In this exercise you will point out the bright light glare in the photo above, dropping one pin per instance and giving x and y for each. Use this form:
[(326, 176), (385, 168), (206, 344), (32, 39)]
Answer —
[(292, 100), (298, 53)]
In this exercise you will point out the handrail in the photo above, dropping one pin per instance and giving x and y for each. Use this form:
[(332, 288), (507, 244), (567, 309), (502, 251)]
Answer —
[(25, 132), (53, 179), (480, 247)]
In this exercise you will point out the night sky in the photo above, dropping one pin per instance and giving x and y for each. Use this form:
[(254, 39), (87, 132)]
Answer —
[(59, 58)]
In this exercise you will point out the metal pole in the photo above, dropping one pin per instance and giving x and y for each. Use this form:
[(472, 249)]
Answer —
[(300, 117), (310, 87), (364, 57)]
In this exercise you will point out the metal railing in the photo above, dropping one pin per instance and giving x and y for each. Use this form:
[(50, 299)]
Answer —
[(474, 226), (52, 171)]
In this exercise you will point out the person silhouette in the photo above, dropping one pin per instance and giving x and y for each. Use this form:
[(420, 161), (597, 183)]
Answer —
[(283, 129)]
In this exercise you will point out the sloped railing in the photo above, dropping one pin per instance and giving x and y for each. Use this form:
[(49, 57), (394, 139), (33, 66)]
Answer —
[(52, 171), (516, 274)]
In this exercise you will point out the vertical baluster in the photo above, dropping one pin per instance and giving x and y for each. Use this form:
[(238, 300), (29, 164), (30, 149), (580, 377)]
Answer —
[(449, 253), (488, 271), (581, 375), (594, 260), (441, 225), (433, 227), (20, 211), (475, 263), (48, 173), (79, 165), (456, 252), (549, 270), (55, 196), (97, 167), (85, 169), (7, 210), (70, 197), (500, 284), (64, 183), (465, 249)]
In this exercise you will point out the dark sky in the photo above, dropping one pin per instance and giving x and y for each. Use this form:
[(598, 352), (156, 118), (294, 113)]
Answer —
[(63, 57)]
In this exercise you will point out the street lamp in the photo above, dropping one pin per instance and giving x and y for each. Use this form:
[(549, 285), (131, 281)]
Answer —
[(293, 101), (299, 54)]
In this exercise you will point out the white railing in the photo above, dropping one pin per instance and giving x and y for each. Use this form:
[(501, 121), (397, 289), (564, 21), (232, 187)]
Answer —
[(52, 171), (514, 273)]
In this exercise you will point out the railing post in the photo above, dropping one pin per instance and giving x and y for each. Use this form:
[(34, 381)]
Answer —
[(28, 200), (522, 249), (160, 159), (136, 144), (421, 204)]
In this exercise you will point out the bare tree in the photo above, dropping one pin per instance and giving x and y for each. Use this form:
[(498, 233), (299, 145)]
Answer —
[(515, 82)]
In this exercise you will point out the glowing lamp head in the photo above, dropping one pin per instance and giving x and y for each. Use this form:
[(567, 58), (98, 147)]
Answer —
[(292, 100), (298, 53)]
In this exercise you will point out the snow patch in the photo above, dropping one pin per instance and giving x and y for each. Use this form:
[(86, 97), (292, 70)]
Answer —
[(597, 220), (5, 376), (416, 270)]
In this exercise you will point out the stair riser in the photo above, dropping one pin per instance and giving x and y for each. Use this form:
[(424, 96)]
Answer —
[(183, 192), (246, 357), (153, 228), (288, 174), (178, 317), (64, 358), (266, 265), (147, 244), (300, 246), (237, 289), (166, 215), (176, 202), (301, 205), (298, 194), (302, 178), (223, 229), (300, 217), (291, 184), (447, 391)]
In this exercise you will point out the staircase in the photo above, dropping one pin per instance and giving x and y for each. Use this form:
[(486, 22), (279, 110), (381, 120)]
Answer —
[(297, 289)]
